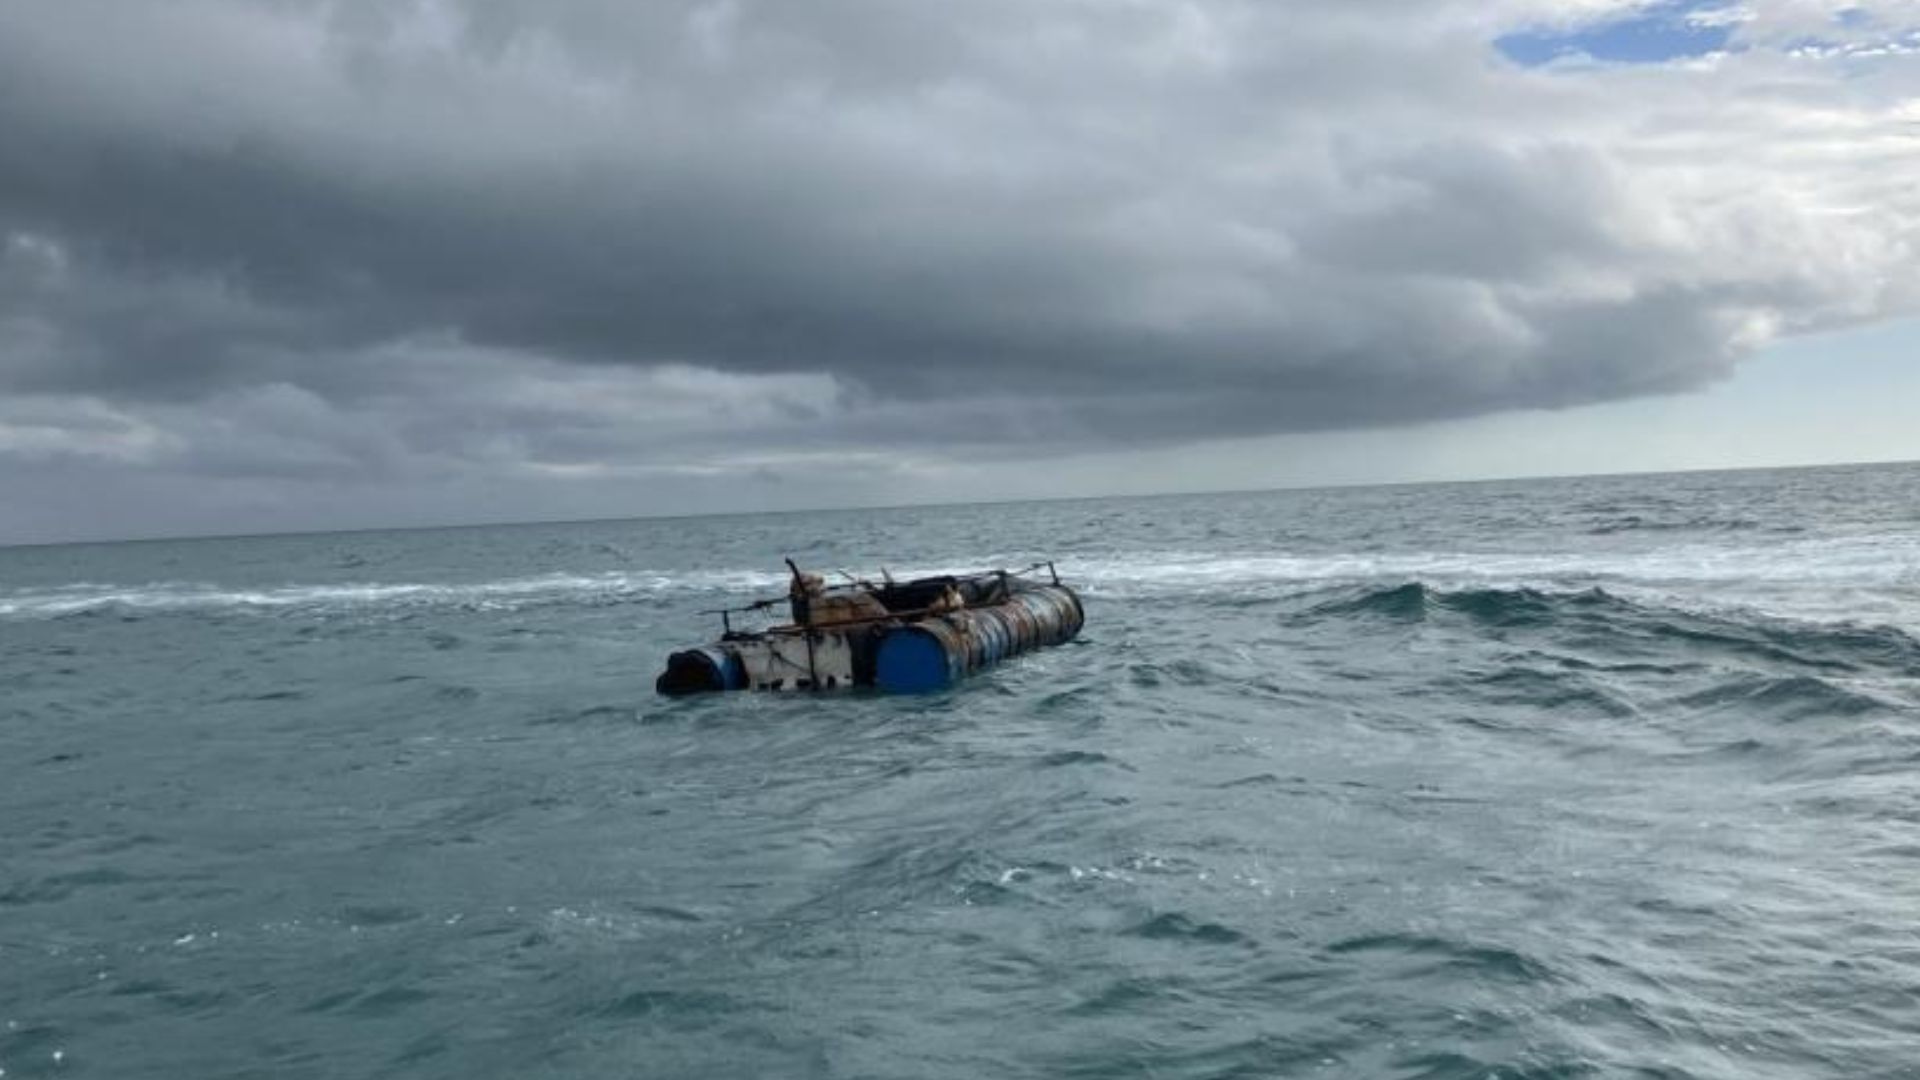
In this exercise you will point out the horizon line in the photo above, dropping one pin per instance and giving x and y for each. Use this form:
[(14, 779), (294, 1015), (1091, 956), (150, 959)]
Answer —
[(1354, 485)]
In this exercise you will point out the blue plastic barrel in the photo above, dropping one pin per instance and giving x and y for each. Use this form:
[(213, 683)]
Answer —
[(702, 669)]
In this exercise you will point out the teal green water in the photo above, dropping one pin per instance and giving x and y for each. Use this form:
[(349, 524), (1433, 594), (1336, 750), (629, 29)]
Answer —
[(1610, 777)]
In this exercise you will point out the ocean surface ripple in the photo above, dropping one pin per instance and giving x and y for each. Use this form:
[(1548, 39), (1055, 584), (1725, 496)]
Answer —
[(1592, 778)]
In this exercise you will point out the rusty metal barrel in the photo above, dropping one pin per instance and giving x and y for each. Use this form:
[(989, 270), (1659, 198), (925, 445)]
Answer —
[(936, 651)]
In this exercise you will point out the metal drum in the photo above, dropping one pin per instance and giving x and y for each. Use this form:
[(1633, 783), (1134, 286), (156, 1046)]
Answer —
[(994, 631), (934, 652)]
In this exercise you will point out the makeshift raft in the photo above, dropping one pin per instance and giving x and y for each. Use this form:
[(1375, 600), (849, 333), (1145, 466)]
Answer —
[(904, 637)]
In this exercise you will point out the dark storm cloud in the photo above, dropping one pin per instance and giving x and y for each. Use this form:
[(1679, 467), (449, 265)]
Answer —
[(394, 237)]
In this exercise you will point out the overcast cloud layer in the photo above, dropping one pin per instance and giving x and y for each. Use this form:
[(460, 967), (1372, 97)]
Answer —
[(390, 260)]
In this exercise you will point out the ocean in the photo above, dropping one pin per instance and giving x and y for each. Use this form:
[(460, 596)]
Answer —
[(1606, 777)]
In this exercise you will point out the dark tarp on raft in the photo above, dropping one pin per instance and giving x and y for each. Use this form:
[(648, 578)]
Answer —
[(920, 593)]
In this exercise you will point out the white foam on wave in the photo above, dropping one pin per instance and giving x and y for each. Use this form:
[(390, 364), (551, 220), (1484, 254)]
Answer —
[(508, 593), (1864, 578), (1885, 560), (1861, 577)]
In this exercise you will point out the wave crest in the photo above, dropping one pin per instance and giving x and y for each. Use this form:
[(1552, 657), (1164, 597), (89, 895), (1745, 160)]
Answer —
[(506, 594), (1632, 626)]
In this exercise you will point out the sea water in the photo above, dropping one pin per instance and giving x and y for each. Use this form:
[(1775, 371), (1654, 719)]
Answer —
[(1598, 777)]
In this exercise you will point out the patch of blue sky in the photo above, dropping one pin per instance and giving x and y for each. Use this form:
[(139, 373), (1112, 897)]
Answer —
[(1658, 33)]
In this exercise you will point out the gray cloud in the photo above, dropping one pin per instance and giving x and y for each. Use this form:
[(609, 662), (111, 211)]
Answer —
[(403, 241)]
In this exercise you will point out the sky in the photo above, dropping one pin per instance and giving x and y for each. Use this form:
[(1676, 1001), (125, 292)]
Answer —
[(273, 265)]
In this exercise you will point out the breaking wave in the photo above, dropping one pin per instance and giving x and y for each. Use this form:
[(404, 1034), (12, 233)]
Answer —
[(1860, 579), (1873, 578), (503, 594), (1863, 560), (1628, 624)]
